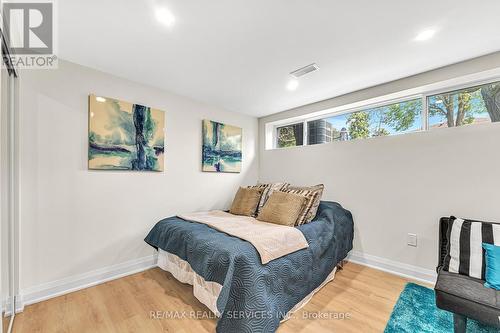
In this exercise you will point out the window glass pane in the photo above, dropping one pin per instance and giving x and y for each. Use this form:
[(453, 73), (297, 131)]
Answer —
[(475, 105), (320, 131), (290, 135), (390, 119)]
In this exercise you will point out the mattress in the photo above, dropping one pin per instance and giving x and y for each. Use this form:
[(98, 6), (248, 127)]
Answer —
[(207, 292)]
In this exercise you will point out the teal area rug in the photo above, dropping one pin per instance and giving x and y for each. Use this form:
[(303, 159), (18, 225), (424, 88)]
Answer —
[(416, 311)]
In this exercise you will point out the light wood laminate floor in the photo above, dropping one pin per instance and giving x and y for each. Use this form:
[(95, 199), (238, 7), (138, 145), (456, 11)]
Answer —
[(125, 305)]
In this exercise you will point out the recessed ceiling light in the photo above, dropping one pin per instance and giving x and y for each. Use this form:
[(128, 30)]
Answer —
[(292, 84), (425, 35), (100, 99), (165, 16)]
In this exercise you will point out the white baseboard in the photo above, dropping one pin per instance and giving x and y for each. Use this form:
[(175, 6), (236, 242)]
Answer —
[(73, 283), (394, 267)]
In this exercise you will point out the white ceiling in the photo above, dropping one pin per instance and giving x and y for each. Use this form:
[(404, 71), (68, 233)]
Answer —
[(237, 54)]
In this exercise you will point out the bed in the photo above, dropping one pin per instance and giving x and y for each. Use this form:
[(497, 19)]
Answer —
[(229, 278)]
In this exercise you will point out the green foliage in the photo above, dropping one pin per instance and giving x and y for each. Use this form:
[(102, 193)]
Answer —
[(286, 137), (383, 120), (359, 125), (469, 119), (381, 132), (401, 116)]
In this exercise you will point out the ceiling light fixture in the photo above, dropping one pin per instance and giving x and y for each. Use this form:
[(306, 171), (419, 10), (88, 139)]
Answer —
[(292, 84), (165, 16), (425, 35)]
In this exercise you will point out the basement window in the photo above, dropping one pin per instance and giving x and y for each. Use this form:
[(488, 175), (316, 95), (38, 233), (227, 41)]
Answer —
[(417, 109)]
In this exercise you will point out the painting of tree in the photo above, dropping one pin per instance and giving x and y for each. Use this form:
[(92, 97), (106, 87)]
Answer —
[(222, 147), (125, 136)]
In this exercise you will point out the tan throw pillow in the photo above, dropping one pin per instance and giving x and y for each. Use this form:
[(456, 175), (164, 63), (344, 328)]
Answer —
[(313, 197), (282, 208), (269, 188), (245, 201)]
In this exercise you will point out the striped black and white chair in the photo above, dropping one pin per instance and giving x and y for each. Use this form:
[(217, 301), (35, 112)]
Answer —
[(460, 284)]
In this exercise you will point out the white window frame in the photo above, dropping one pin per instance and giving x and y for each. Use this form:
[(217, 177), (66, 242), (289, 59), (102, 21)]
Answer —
[(422, 92)]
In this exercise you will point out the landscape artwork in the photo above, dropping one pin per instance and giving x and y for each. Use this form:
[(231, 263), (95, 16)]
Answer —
[(221, 147), (125, 136)]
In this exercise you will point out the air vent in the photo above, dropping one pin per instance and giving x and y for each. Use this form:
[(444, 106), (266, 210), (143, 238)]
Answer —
[(304, 70)]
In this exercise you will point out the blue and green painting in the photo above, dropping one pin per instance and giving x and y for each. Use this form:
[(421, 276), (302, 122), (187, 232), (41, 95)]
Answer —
[(125, 136), (221, 147)]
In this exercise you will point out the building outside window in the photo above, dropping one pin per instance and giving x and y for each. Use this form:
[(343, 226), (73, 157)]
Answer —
[(320, 131)]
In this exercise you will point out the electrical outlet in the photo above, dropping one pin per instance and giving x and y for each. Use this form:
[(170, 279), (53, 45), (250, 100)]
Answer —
[(412, 240)]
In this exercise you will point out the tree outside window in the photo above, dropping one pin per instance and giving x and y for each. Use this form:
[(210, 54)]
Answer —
[(290, 135), (480, 104)]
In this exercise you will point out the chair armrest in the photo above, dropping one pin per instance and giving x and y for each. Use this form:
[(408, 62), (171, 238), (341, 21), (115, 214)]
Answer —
[(443, 241)]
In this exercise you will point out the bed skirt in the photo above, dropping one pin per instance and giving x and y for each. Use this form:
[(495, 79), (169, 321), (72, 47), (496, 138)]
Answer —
[(207, 292)]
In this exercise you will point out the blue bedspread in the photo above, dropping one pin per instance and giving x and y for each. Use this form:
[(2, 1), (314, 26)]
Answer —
[(255, 297)]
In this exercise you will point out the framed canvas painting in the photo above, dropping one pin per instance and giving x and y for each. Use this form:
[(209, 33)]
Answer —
[(125, 136), (221, 147)]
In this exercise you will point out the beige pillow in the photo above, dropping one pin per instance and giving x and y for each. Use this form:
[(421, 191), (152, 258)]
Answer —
[(282, 208), (313, 197), (268, 189), (246, 201)]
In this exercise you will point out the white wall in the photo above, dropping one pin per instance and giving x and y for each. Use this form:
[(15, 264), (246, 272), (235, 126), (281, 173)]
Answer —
[(74, 220), (399, 184)]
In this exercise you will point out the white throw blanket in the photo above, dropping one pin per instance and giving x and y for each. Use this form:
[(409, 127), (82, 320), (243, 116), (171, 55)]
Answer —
[(271, 240)]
